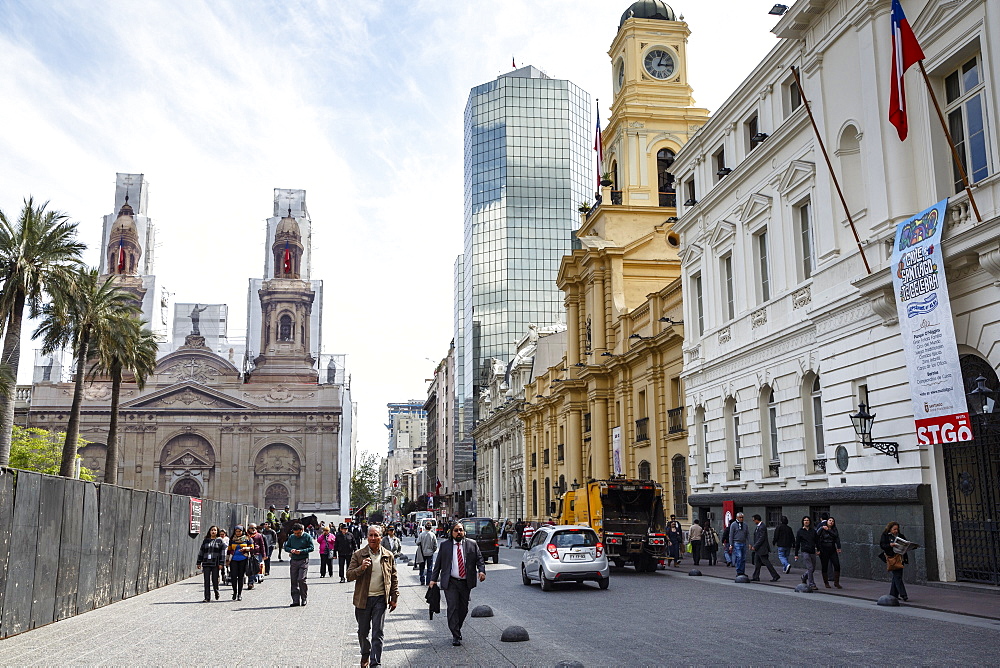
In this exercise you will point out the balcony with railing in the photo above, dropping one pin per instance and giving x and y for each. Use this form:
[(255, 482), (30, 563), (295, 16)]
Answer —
[(642, 429), (675, 420)]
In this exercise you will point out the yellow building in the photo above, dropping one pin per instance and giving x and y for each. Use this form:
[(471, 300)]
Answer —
[(620, 377)]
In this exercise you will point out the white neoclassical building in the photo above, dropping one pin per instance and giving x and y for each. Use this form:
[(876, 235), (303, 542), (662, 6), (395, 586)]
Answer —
[(786, 331)]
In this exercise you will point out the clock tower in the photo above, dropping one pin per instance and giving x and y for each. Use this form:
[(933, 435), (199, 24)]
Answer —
[(653, 112)]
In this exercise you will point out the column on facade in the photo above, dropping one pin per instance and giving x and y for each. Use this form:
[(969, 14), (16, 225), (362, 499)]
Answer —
[(600, 449), (497, 468), (573, 338), (599, 331), (574, 445)]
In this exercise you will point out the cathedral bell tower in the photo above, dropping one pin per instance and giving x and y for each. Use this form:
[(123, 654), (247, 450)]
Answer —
[(286, 303)]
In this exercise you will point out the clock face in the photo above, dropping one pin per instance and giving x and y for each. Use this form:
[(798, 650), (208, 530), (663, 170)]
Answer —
[(621, 74), (659, 64)]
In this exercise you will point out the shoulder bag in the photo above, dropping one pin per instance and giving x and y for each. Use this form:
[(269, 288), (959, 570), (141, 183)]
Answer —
[(894, 563)]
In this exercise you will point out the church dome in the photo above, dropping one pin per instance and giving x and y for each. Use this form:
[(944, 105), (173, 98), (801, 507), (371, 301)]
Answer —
[(124, 226), (648, 9), (288, 226)]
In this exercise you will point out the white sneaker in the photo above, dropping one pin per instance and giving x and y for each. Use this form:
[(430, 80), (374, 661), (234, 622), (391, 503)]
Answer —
[(788, 568)]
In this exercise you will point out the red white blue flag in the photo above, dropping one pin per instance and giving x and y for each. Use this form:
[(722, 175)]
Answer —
[(599, 148), (905, 52), (121, 253), (288, 260)]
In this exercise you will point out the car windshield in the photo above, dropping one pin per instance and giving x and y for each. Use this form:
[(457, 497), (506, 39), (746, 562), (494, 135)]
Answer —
[(481, 528), (576, 538)]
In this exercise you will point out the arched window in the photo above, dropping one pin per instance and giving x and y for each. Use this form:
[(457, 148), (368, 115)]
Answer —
[(679, 479), (772, 424), (548, 496), (664, 179), (614, 175), (276, 495), (285, 328), (701, 434), (562, 484), (812, 413), (817, 405), (644, 470), (187, 487), (852, 173)]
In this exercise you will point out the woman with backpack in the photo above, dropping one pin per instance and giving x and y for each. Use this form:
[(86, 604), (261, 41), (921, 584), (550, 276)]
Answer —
[(710, 543)]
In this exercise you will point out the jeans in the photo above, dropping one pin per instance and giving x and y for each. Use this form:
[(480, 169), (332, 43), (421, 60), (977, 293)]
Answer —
[(783, 555), (728, 558), (237, 572), (809, 561), (696, 551), (344, 561), (267, 560), (211, 573), (897, 588), (326, 564), (371, 619), (298, 570), (426, 566), (510, 540), (740, 557)]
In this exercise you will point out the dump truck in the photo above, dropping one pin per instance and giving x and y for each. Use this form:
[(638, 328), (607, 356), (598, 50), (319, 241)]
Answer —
[(626, 514)]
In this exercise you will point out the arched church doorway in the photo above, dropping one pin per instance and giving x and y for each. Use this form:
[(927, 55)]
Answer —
[(187, 487), (276, 495), (187, 456), (972, 469)]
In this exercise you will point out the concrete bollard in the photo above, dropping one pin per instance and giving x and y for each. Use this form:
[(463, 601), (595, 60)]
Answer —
[(482, 611), (569, 664), (694, 571), (742, 579), (888, 600), (803, 589), (514, 634)]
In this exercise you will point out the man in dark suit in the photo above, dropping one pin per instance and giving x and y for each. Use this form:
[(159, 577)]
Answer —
[(456, 567), (762, 549)]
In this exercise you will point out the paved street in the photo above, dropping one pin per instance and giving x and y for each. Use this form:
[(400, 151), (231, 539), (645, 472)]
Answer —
[(653, 619)]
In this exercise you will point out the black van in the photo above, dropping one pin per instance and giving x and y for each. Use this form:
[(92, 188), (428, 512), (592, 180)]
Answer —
[(484, 532)]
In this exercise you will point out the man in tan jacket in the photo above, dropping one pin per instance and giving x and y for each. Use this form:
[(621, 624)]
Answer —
[(376, 587)]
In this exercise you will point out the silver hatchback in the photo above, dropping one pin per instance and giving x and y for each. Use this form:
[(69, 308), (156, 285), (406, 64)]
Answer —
[(565, 553)]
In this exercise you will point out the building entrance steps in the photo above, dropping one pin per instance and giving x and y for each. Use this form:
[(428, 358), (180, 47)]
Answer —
[(956, 598)]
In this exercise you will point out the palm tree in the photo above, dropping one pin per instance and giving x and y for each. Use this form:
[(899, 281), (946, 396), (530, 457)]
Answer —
[(123, 345), (80, 311), (37, 250)]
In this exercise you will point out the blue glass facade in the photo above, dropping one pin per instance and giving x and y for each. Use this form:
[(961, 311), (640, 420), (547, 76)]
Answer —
[(528, 165)]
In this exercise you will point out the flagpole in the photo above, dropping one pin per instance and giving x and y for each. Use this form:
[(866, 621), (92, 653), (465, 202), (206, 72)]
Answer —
[(829, 165), (951, 142)]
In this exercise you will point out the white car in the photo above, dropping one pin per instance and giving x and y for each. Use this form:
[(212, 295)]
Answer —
[(565, 553)]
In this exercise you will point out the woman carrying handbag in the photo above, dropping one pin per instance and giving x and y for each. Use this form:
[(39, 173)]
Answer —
[(894, 562)]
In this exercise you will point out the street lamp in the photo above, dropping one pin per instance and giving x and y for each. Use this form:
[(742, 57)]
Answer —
[(863, 421), (981, 399), (576, 485)]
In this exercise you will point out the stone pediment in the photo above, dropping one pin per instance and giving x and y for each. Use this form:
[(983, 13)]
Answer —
[(797, 172), (187, 396), (187, 460), (723, 235), (757, 205), (691, 255), (200, 365)]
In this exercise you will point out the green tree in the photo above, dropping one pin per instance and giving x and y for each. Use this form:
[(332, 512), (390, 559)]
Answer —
[(82, 310), (124, 345), (364, 481), (37, 252), (34, 449)]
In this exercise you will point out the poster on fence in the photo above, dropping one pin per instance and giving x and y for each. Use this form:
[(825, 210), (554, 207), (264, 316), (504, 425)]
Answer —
[(195, 516), (928, 331)]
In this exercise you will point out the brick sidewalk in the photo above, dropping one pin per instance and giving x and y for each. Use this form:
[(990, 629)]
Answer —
[(962, 601)]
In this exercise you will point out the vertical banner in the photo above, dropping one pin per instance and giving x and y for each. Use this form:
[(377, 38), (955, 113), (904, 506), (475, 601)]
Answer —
[(728, 513), (928, 331), (616, 449), (195, 516)]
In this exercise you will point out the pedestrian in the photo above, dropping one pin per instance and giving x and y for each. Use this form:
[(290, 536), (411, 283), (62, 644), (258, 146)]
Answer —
[(285, 516), (710, 542), (784, 540), (427, 545), (376, 588), (526, 534), (225, 567), (762, 550), (695, 534), (271, 517), (805, 542), (518, 532), (270, 540), (327, 550), (345, 545), (508, 528), (726, 556), (828, 542), (239, 551), (675, 539), (212, 558), (739, 534), (256, 555), (455, 568), (894, 561), (392, 542), (358, 536), (298, 546)]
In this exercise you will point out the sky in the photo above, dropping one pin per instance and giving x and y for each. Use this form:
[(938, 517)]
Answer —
[(360, 104)]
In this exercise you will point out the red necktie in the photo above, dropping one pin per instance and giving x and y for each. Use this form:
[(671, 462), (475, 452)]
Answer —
[(461, 562)]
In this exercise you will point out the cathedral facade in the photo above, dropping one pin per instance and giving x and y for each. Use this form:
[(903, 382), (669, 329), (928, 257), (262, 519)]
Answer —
[(265, 428)]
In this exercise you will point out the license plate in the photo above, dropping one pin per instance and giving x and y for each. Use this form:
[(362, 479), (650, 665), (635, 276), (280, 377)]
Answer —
[(577, 557)]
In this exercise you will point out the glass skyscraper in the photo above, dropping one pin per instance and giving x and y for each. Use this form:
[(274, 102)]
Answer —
[(529, 163)]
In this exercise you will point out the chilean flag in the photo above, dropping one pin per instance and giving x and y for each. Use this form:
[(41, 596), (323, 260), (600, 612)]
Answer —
[(905, 52), (288, 260), (121, 253), (599, 147)]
